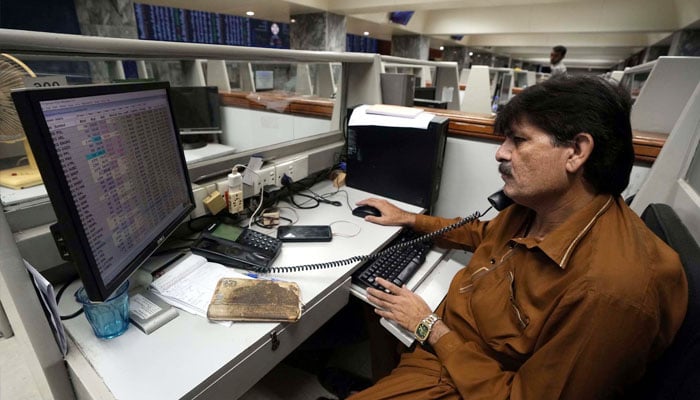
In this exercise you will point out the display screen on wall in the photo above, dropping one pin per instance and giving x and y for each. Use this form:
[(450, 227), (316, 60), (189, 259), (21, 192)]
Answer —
[(360, 44), (181, 25)]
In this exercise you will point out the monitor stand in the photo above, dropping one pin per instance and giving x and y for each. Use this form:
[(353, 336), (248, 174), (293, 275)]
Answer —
[(191, 142)]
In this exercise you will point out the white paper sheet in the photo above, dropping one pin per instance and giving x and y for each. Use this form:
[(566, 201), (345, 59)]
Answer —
[(190, 284), (383, 115), (48, 299)]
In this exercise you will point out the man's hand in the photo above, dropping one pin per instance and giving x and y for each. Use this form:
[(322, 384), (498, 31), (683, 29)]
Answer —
[(391, 215), (401, 305)]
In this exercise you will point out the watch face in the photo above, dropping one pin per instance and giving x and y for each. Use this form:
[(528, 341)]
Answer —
[(422, 331)]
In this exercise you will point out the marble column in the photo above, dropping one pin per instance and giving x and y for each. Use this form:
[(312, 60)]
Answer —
[(457, 53), (318, 31), (410, 46), (113, 18)]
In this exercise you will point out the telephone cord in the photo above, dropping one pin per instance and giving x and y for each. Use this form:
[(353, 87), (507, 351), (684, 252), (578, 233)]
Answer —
[(366, 257)]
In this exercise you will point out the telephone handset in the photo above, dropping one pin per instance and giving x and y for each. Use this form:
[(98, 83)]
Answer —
[(237, 247), (498, 200)]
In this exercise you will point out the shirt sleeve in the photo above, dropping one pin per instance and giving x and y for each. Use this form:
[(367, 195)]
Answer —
[(591, 343)]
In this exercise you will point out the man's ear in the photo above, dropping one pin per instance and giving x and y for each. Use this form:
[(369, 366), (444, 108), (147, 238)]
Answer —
[(582, 147)]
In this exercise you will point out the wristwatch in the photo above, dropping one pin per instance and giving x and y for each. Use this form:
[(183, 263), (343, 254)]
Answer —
[(424, 327)]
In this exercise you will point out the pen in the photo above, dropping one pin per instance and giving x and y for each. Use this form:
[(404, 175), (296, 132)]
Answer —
[(256, 276)]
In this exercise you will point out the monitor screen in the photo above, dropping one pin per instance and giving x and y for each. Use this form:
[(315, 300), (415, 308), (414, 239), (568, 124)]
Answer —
[(424, 93), (196, 109), (400, 17), (264, 80), (114, 171), (504, 95)]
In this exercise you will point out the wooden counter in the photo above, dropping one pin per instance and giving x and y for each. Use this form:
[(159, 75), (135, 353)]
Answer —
[(281, 102), (647, 145)]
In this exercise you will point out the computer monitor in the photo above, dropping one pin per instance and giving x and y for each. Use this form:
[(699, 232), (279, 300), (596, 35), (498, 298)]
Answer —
[(197, 109), (424, 93), (114, 171), (197, 114), (400, 17), (264, 80), (505, 88)]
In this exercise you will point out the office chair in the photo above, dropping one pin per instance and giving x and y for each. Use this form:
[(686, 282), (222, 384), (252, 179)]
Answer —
[(676, 375)]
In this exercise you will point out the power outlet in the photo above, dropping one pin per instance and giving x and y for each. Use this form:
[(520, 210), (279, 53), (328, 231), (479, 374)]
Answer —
[(295, 169), (265, 176), (235, 201)]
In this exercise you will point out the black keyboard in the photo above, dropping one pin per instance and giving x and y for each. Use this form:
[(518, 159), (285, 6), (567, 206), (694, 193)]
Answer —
[(397, 266)]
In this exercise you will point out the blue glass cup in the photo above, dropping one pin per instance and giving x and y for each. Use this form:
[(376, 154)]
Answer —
[(109, 318)]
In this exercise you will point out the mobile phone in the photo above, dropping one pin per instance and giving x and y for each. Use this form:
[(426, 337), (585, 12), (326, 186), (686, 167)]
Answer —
[(304, 233)]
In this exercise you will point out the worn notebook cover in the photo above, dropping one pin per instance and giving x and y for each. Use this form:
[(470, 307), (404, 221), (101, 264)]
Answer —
[(237, 299)]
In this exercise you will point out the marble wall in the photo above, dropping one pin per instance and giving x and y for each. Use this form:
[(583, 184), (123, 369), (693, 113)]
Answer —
[(318, 31), (410, 46), (108, 18), (457, 53)]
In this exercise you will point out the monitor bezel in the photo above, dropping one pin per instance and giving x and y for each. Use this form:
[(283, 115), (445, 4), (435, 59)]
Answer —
[(68, 225)]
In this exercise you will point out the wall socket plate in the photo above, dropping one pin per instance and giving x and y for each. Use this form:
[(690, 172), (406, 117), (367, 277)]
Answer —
[(296, 169), (265, 176)]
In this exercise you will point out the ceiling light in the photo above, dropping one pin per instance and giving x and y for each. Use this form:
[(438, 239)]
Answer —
[(471, 53), (292, 20), (365, 33), (250, 13), (442, 47)]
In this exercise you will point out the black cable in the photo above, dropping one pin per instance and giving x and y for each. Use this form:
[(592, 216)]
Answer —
[(399, 246), (58, 299)]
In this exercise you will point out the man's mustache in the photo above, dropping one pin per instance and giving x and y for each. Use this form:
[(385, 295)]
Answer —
[(505, 169)]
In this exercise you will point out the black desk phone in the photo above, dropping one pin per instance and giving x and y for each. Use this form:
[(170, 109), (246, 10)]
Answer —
[(237, 247)]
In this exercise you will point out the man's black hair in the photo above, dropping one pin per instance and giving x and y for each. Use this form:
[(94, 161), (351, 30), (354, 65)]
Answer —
[(560, 49), (567, 105)]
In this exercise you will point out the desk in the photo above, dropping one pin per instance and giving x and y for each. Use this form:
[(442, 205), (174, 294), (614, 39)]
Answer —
[(190, 357)]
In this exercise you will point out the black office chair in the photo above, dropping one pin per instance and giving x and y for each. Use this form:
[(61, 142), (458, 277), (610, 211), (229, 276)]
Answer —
[(676, 375)]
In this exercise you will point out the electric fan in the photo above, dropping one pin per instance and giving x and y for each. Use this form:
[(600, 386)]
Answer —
[(12, 73)]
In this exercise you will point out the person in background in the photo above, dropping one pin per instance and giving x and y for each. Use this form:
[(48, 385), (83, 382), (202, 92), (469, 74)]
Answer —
[(568, 295), (556, 58)]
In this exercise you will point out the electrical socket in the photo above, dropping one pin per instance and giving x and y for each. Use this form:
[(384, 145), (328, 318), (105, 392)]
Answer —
[(295, 169), (265, 176), (235, 201)]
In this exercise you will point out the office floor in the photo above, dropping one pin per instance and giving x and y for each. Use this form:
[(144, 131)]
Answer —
[(16, 381), (292, 382)]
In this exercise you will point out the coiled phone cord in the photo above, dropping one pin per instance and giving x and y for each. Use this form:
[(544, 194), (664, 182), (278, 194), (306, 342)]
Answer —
[(366, 257)]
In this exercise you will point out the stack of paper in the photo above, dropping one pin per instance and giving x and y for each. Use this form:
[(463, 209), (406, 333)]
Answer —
[(189, 285), (388, 115)]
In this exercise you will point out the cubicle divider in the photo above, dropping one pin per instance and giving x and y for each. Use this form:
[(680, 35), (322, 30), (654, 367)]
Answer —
[(661, 89)]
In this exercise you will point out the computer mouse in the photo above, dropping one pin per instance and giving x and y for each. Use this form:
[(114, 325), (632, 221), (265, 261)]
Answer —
[(363, 211)]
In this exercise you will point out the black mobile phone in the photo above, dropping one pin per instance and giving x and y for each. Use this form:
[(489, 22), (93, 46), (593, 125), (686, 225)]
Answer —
[(304, 233)]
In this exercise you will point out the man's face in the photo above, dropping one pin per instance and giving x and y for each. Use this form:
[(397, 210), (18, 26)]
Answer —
[(555, 57), (532, 167)]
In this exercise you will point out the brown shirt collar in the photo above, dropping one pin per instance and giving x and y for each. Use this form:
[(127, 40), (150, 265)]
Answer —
[(559, 244)]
